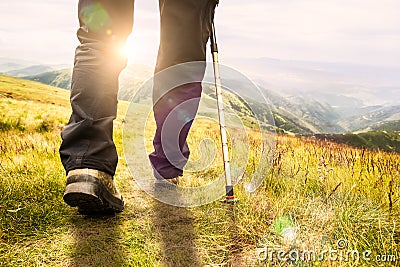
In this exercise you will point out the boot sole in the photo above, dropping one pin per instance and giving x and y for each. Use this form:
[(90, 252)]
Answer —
[(91, 196)]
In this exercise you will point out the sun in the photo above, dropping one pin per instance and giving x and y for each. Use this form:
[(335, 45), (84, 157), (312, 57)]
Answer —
[(140, 48), (131, 49)]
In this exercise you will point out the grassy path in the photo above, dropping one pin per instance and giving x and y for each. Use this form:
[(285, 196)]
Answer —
[(38, 229)]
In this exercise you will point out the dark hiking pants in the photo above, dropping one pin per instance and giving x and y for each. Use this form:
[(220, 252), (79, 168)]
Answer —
[(104, 28)]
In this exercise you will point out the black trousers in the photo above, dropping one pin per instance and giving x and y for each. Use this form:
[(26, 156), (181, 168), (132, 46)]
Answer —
[(104, 28)]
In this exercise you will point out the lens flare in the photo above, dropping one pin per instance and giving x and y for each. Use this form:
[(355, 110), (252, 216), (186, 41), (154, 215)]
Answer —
[(96, 17)]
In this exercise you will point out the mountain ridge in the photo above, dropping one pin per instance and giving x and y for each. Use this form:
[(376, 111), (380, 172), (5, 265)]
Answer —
[(303, 113)]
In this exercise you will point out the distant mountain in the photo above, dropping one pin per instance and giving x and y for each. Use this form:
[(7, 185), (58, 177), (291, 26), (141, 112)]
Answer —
[(367, 85), (34, 70), (307, 112), (328, 97), (301, 115), (58, 78), (5, 67), (130, 79), (385, 125), (8, 64), (298, 115), (371, 119), (287, 122), (383, 140), (318, 116), (21, 68)]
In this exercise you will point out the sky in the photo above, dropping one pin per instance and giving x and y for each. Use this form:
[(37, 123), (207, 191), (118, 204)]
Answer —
[(365, 32)]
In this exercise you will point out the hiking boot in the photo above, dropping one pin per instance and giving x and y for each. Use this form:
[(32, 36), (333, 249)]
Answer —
[(93, 192), (166, 183), (160, 185), (162, 180), (174, 181)]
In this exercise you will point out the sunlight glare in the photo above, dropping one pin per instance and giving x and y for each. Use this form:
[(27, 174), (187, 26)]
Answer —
[(141, 48)]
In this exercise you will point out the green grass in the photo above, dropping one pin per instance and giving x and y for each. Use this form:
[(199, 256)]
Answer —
[(322, 191)]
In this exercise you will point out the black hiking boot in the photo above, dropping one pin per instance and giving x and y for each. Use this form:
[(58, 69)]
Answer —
[(93, 192)]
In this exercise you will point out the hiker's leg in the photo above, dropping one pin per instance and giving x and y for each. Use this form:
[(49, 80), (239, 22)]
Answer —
[(185, 29), (88, 137)]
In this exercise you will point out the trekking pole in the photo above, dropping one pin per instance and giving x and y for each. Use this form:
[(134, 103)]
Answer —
[(229, 198)]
